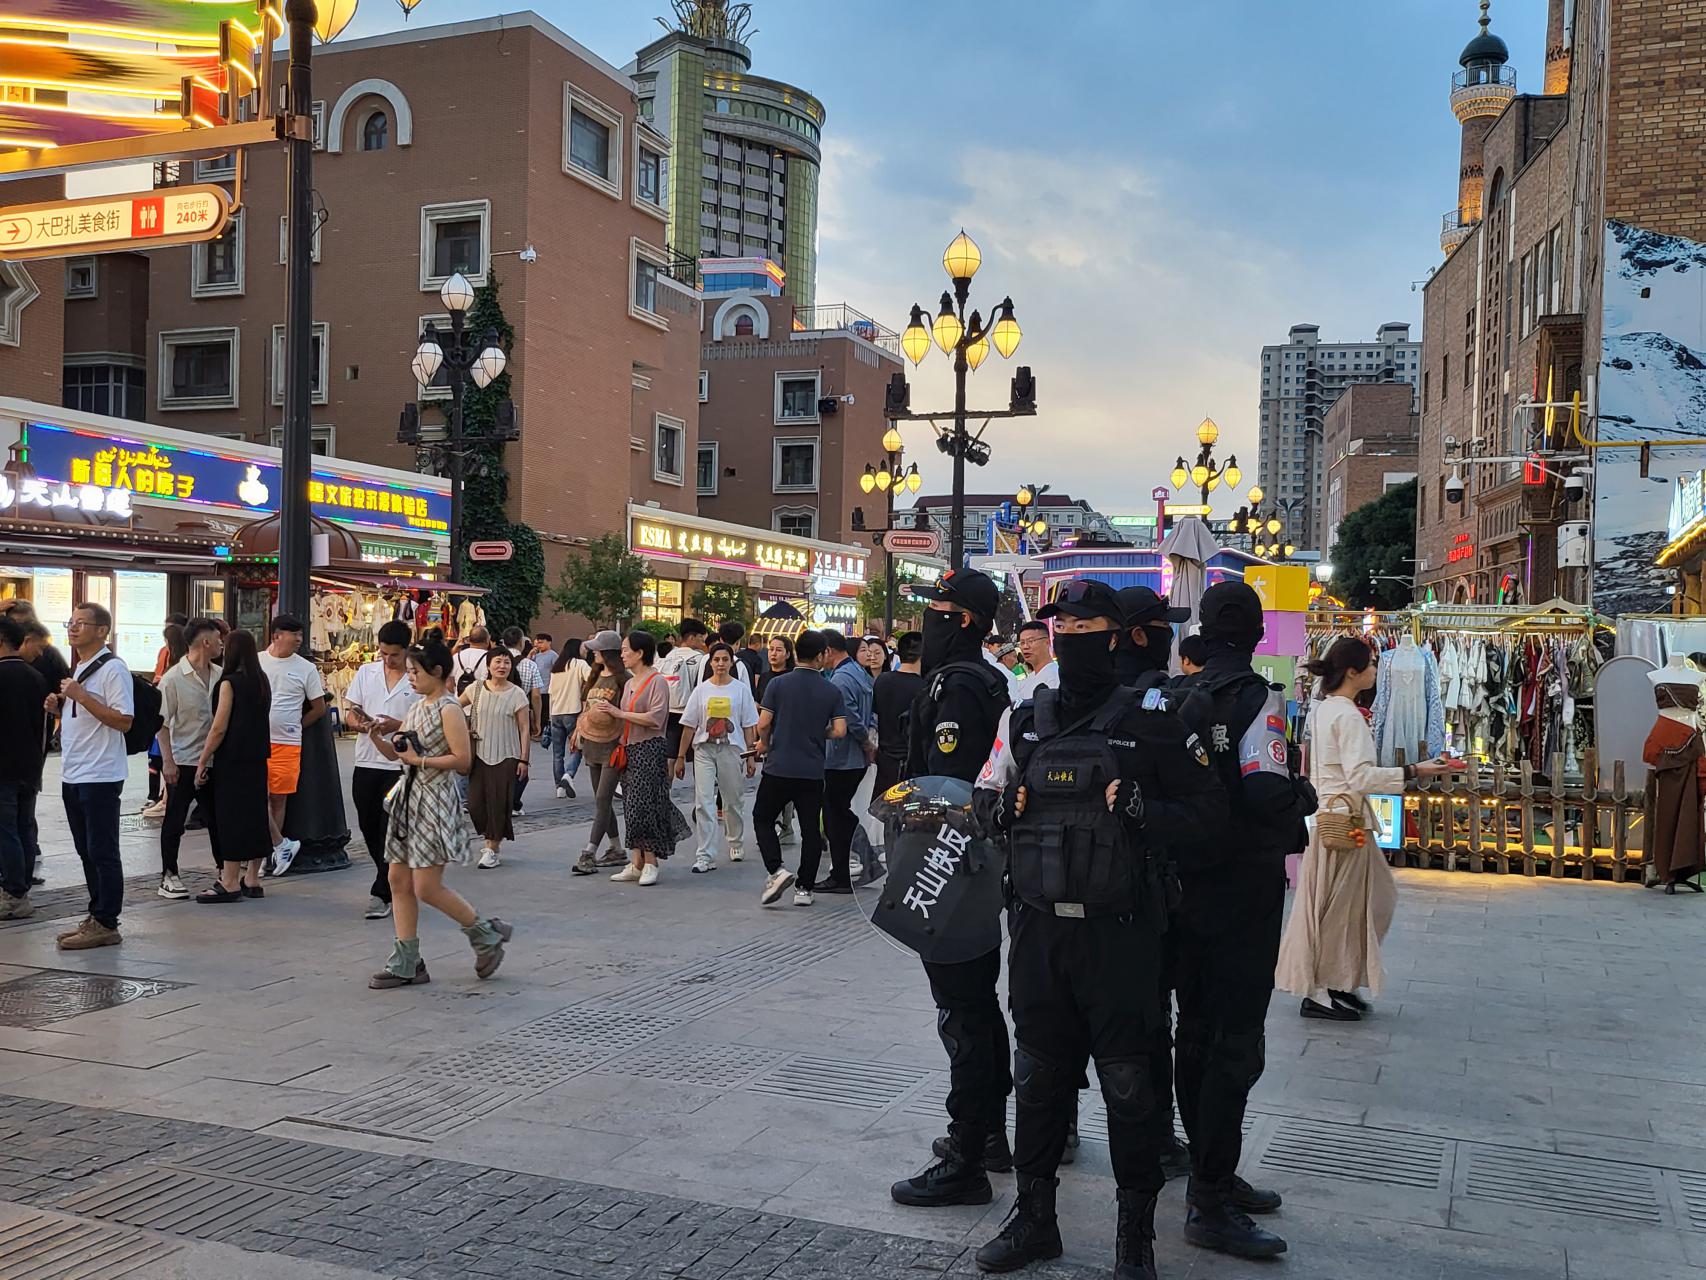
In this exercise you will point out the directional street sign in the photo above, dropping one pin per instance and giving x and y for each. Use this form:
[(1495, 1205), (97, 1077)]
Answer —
[(923, 542), (490, 550), (106, 224)]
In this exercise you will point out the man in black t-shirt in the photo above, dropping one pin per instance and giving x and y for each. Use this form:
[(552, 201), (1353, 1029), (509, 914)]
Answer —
[(891, 705), (22, 748), (801, 710)]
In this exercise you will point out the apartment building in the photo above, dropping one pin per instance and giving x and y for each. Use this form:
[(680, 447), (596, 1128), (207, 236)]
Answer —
[(1370, 444)]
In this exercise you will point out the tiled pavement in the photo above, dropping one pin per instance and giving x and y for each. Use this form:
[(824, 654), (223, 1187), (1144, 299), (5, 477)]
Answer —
[(673, 1082)]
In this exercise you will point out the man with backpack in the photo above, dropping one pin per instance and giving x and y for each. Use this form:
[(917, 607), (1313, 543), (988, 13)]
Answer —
[(96, 706)]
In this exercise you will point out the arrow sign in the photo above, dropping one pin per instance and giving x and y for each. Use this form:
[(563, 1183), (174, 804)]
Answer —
[(106, 224)]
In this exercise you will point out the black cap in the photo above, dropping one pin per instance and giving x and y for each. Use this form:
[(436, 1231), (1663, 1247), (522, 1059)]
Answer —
[(1142, 607), (968, 588), (1084, 598), (1231, 611)]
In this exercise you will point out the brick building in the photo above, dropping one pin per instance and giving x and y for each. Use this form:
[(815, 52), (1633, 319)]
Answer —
[(32, 302), (1370, 445)]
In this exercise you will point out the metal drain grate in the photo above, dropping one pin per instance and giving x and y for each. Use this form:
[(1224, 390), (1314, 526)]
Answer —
[(53, 995), (729, 1065), (1563, 1184), (1694, 1198), (278, 1162), (529, 1067), (874, 1085), (590, 1024), (40, 1247), (1319, 1149), (680, 996), (185, 1204), (418, 1109)]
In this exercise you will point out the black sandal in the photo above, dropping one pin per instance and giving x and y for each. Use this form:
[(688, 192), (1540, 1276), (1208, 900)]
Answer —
[(219, 894), (252, 891)]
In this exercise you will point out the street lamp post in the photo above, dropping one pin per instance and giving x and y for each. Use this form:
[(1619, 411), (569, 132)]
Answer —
[(967, 339), (888, 476), (467, 357), (295, 543), (1204, 473), (1035, 529)]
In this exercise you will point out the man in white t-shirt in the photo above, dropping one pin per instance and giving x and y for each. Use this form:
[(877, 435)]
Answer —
[(380, 694), (95, 707), (470, 660), (682, 668), (298, 700)]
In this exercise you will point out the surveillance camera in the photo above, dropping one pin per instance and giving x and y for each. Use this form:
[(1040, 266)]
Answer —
[(1575, 486), (847, 399), (1454, 488), (529, 254), (1450, 441)]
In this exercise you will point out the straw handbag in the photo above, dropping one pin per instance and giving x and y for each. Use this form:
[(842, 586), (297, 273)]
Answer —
[(1342, 830)]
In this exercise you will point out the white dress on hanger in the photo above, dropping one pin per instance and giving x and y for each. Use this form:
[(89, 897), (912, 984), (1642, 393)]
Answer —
[(1405, 723)]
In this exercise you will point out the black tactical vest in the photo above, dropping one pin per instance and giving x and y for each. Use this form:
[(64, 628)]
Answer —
[(1070, 855)]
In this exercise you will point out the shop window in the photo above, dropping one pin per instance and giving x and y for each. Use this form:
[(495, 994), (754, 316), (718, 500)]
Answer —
[(796, 397), (592, 142), (669, 446), (455, 237), (216, 266), (376, 132), (660, 600), (320, 358), (115, 389), (198, 369), (795, 466), (80, 278), (796, 522), (705, 474), (323, 441), (207, 598)]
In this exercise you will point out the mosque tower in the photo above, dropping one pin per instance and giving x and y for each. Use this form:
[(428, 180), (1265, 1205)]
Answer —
[(1479, 94)]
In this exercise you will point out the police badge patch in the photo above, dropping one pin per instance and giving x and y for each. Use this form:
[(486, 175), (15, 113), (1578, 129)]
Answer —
[(1193, 744), (948, 737)]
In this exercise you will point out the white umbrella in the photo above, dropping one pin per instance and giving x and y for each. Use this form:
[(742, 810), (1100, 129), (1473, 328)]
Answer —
[(1188, 548)]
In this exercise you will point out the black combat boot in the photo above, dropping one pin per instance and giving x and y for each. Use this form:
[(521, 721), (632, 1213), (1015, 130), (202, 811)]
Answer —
[(1030, 1233), (997, 1155), (953, 1179), (1214, 1221), (1252, 1199), (1134, 1242), (1175, 1157)]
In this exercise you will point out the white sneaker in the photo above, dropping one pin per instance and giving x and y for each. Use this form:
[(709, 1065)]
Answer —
[(736, 853), (627, 875), (855, 868), (171, 886), (775, 887), (489, 859), (618, 790), (562, 792), (650, 874), (518, 812), (703, 862), (284, 855), (377, 909), (802, 897)]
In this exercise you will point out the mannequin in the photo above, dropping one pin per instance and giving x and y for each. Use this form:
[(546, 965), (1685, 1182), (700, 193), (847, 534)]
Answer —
[(1407, 705), (1676, 832)]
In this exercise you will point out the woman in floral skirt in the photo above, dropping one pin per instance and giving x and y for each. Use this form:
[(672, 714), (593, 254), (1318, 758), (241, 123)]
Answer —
[(428, 829), (655, 826)]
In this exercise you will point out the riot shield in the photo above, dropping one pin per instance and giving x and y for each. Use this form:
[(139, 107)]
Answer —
[(942, 896)]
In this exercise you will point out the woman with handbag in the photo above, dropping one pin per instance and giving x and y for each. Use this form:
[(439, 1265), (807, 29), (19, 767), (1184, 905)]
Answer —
[(499, 719), (655, 826), (594, 739), (1346, 894)]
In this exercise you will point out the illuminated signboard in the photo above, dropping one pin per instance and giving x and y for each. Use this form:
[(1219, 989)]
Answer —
[(1687, 503), (838, 566), (103, 224), (659, 537), (171, 473), (1462, 548), (33, 495)]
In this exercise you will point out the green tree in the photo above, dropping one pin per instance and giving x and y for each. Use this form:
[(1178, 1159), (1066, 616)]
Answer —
[(657, 626), (603, 585), (514, 585), (873, 599), (1377, 543), (720, 601)]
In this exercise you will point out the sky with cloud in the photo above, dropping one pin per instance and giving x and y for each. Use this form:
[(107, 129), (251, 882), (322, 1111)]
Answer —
[(1160, 187)]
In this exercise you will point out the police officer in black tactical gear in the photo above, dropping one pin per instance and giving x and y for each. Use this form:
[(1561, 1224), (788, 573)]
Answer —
[(953, 725), (1227, 924), (1146, 646), (1090, 781)]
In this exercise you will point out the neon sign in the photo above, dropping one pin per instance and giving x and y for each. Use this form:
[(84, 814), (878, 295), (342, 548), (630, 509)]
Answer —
[(92, 499), (660, 537), (1461, 549)]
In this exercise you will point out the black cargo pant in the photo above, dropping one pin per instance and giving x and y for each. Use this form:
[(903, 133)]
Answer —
[(1227, 929), (1082, 989), (367, 787), (974, 1032)]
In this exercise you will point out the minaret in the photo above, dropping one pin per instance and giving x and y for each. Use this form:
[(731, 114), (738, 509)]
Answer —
[(1479, 94), (1558, 40)]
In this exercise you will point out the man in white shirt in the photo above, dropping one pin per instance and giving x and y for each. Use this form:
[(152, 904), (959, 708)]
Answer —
[(471, 659), (95, 706), (186, 709), (298, 700), (379, 695), (1041, 670), (682, 668)]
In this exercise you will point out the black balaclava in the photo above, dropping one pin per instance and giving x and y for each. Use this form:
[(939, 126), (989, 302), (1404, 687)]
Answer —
[(1087, 668), (946, 640)]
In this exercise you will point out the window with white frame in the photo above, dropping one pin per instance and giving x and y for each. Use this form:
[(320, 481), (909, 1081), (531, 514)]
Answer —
[(592, 141), (320, 363), (455, 237), (323, 440), (318, 113), (284, 239), (80, 278), (796, 522), (669, 444), (645, 265), (704, 385), (212, 168), (216, 266), (650, 177), (705, 475), (796, 397), (198, 369), (795, 468), (439, 387), (17, 291)]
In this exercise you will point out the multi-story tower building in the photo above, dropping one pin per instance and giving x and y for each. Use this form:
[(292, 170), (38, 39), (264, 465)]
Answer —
[(1301, 380), (1479, 95), (747, 150)]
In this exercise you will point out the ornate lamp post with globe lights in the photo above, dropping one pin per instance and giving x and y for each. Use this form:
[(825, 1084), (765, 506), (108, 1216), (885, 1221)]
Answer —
[(1032, 527), (888, 477), (1204, 473), (467, 357)]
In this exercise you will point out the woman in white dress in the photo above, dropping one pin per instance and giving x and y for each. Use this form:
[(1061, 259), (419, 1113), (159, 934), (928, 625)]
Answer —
[(1344, 901)]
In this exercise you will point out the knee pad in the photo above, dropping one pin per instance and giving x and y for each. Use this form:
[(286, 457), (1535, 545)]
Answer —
[(1241, 1056), (960, 1034), (1127, 1090), (1038, 1082)]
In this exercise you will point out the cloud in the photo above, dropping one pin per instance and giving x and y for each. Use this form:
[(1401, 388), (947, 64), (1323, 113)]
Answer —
[(1141, 313)]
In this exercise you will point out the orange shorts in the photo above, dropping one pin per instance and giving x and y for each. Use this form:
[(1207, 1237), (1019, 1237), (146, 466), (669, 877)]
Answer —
[(284, 767)]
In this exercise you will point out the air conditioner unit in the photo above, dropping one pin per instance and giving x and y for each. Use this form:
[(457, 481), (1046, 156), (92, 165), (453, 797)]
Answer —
[(1573, 545)]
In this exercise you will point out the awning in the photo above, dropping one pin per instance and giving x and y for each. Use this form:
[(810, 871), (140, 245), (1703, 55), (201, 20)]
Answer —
[(354, 578)]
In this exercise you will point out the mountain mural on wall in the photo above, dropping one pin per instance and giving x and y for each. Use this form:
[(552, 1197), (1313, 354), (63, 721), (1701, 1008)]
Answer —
[(1652, 386)]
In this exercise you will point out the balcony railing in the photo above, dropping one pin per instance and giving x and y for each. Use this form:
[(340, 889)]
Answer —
[(838, 316), (1454, 229), (1482, 94)]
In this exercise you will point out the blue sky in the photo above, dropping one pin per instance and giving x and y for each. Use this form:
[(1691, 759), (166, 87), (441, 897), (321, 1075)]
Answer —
[(1161, 187)]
